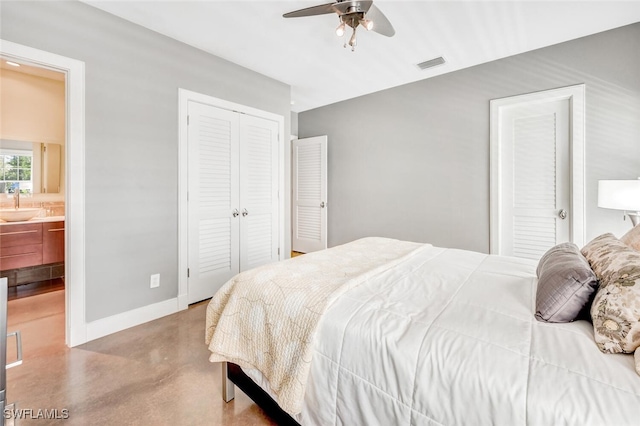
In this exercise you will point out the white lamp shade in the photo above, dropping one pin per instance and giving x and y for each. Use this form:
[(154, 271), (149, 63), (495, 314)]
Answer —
[(619, 194)]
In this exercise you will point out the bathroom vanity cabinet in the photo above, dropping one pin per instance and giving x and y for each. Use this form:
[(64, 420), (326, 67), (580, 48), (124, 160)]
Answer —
[(53, 242), (20, 245), (33, 243)]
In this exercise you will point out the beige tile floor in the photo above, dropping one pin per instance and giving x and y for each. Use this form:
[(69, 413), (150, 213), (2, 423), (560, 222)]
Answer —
[(153, 374)]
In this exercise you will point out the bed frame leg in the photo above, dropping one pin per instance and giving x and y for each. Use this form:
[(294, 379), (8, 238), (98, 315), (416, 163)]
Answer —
[(228, 388)]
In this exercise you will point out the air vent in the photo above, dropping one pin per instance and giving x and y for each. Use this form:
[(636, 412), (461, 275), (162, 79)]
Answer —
[(431, 63)]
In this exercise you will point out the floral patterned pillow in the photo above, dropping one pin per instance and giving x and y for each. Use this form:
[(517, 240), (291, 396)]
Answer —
[(632, 238), (616, 308)]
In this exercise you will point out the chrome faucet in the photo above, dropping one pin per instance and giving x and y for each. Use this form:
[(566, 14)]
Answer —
[(16, 196)]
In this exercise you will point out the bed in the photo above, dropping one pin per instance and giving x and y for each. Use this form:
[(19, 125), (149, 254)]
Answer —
[(421, 335)]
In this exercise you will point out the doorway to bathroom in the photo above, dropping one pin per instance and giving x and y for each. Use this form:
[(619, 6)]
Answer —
[(32, 199), (67, 259)]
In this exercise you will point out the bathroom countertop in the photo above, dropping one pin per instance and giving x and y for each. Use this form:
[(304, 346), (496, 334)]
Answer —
[(35, 220)]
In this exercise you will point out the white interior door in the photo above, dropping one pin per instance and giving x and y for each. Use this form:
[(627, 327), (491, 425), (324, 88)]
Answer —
[(537, 171), (259, 231), (213, 198), (535, 185), (309, 176)]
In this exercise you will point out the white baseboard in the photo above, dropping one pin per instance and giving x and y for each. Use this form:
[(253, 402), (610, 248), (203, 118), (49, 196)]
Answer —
[(115, 323), (183, 302)]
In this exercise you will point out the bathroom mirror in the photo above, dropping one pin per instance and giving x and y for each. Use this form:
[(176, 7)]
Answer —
[(36, 168)]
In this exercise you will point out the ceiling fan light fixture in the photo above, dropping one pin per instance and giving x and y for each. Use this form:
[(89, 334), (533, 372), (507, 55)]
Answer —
[(367, 24), (352, 13)]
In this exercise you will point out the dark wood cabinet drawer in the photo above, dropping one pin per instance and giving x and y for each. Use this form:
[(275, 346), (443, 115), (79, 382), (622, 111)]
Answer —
[(20, 256), (52, 242), (18, 235), (31, 244)]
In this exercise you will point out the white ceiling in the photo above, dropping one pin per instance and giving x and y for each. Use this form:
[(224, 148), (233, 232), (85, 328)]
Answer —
[(306, 54)]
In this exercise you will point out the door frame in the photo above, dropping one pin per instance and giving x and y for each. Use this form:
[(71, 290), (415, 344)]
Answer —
[(75, 320), (576, 97), (184, 97)]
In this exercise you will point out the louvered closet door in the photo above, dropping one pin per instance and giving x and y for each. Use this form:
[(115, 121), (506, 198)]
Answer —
[(536, 194), (309, 194), (213, 196), (258, 191)]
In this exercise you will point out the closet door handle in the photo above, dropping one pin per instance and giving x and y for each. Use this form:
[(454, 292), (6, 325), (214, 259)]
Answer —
[(18, 349), (235, 213), (244, 212)]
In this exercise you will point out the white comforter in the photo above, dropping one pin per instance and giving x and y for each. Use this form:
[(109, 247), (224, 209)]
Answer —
[(266, 318), (449, 337)]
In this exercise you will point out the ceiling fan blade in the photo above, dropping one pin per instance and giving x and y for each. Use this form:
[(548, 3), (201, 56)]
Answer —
[(381, 24), (342, 7), (311, 11)]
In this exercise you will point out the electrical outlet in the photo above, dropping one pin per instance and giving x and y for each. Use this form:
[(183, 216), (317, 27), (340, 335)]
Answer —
[(155, 281)]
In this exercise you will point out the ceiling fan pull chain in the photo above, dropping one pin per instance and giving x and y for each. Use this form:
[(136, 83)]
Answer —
[(352, 41)]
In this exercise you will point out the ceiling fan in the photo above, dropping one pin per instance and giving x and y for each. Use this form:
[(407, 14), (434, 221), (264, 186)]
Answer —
[(352, 13)]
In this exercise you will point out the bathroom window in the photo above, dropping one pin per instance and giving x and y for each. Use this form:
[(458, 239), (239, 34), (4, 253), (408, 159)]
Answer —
[(16, 172)]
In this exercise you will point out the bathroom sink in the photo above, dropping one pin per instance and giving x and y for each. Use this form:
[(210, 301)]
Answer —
[(18, 215)]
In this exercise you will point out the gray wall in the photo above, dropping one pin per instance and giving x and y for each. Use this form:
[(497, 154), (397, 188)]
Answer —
[(294, 123), (132, 81), (412, 162)]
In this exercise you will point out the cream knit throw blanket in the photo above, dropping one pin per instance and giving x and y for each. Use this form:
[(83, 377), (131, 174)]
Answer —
[(266, 318)]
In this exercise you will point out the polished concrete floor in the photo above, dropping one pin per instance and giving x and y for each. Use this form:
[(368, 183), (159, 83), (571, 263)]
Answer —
[(153, 374)]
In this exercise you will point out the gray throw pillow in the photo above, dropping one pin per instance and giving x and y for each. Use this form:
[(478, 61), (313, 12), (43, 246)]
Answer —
[(565, 284)]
